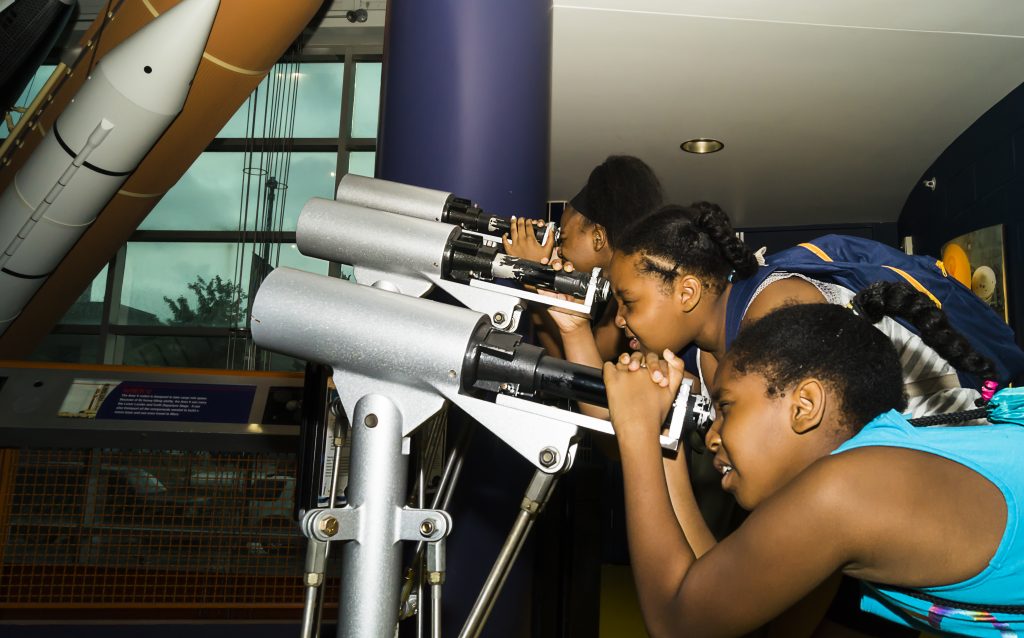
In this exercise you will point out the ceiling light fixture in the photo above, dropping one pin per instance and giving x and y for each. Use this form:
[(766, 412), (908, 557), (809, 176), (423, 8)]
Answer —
[(702, 146)]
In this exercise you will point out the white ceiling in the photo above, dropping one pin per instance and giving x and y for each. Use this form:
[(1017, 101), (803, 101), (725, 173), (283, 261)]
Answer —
[(830, 111)]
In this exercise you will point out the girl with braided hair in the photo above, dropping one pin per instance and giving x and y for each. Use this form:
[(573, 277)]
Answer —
[(673, 275), (809, 436)]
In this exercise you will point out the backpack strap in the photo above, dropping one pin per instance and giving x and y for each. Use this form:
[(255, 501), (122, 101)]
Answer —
[(910, 279), (945, 602), (740, 294)]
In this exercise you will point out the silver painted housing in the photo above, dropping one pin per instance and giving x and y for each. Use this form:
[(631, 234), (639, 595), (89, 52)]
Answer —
[(412, 201), (372, 241)]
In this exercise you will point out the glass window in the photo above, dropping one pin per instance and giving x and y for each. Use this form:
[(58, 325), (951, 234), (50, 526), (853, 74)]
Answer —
[(88, 308), (362, 163), (181, 284), (205, 198), (70, 348), (210, 194), (186, 352), (366, 99), (195, 284), (292, 258), (316, 87), (33, 87)]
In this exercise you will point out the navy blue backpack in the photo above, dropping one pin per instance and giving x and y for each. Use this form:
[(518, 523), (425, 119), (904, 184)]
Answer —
[(855, 263)]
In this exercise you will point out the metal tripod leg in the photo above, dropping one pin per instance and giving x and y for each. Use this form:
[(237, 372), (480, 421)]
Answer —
[(536, 497)]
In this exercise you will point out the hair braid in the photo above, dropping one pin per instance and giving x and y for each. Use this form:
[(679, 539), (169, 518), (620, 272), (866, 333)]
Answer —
[(902, 300), (712, 220)]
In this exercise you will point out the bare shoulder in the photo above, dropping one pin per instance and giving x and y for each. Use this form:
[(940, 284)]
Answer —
[(912, 518), (784, 292)]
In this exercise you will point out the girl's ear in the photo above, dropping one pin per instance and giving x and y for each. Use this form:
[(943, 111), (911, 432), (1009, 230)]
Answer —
[(688, 290), (599, 237), (807, 406)]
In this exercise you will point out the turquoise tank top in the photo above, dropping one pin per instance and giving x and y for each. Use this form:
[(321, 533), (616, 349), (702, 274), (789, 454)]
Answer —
[(984, 604)]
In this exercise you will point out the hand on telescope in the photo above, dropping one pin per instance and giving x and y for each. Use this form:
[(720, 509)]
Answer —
[(521, 242), (558, 263), (566, 322), (641, 389)]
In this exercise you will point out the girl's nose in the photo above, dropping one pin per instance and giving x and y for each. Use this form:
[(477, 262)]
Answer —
[(620, 321), (713, 439)]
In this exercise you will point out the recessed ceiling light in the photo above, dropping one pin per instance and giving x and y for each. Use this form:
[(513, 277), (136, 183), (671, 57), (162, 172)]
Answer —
[(702, 146)]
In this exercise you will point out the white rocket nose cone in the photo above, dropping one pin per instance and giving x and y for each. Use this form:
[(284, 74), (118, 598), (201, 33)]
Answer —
[(155, 66)]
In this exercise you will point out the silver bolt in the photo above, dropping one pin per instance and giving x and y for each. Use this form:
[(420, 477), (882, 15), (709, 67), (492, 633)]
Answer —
[(427, 527), (504, 387), (370, 420), (499, 317), (548, 456), (452, 374)]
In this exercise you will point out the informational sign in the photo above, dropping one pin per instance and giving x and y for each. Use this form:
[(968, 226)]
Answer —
[(157, 401)]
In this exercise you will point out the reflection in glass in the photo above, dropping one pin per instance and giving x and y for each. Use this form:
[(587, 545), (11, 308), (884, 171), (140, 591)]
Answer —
[(68, 348), (366, 102), (193, 283), (88, 308), (180, 283), (362, 163), (186, 352), (317, 106), (209, 195)]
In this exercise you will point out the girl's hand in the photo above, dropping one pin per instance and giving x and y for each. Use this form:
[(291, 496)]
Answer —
[(558, 263), (566, 322), (641, 389), (521, 241)]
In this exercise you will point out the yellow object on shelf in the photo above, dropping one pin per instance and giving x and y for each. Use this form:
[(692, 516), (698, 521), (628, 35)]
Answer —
[(957, 264)]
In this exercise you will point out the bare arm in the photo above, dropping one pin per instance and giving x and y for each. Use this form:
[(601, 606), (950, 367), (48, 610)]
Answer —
[(684, 505), (736, 585)]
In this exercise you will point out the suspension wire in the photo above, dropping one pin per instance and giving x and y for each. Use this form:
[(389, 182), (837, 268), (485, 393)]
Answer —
[(266, 166)]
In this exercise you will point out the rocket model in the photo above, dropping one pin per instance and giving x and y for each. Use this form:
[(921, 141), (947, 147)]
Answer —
[(127, 103)]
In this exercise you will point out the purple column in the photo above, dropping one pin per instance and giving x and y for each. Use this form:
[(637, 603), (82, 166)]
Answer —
[(466, 109)]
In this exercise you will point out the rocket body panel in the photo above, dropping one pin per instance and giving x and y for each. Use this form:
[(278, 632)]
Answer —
[(43, 249), (170, 48), (136, 129)]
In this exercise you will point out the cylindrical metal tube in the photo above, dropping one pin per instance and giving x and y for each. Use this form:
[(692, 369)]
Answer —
[(544, 276), (560, 378), (351, 234), (492, 586), (371, 579), (365, 331), (393, 197)]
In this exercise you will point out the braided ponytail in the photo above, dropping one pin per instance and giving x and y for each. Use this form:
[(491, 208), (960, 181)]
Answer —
[(712, 220), (904, 301), (697, 239)]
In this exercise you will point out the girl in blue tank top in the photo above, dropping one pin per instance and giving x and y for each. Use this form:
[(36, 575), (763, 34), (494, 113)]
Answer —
[(810, 438)]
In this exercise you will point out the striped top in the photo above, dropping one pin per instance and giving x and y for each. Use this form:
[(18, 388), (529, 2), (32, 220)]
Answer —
[(931, 382)]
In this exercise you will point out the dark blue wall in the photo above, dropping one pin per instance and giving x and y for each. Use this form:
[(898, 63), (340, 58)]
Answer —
[(979, 183)]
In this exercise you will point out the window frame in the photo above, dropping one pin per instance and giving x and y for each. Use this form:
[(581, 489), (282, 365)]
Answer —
[(111, 335)]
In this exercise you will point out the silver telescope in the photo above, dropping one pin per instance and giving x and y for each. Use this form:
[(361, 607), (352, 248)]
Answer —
[(409, 255), (429, 204), (396, 359)]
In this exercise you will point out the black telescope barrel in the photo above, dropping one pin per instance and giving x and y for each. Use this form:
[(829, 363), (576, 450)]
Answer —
[(469, 216), (499, 226), (496, 358), (567, 380)]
